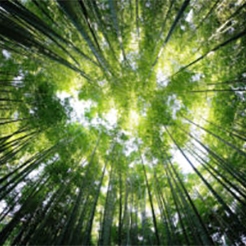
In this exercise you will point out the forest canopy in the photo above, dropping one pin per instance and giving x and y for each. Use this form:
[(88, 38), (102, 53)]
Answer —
[(122, 122)]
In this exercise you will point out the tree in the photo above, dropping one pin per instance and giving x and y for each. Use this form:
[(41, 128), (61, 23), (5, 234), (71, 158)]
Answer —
[(122, 122)]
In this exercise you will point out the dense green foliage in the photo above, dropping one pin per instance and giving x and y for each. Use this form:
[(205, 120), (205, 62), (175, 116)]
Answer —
[(122, 122)]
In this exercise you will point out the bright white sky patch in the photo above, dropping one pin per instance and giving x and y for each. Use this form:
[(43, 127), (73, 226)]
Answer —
[(6, 54), (3, 204), (33, 175), (111, 116), (189, 17), (196, 77), (180, 159), (182, 162), (161, 78), (130, 146), (80, 107)]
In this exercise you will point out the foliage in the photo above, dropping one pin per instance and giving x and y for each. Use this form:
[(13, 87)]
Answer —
[(122, 122)]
